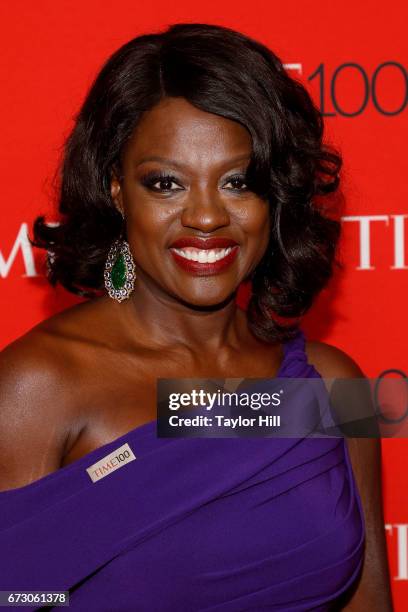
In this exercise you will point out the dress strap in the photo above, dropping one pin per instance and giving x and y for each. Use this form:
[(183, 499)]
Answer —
[(296, 344), (295, 357)]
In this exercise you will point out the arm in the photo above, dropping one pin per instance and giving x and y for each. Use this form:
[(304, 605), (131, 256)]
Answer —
[(33, 424), (372, 590)]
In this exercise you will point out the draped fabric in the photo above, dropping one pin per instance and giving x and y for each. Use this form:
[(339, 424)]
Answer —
[(193, 524)]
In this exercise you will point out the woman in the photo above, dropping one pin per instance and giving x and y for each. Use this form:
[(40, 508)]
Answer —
[(194, 165)]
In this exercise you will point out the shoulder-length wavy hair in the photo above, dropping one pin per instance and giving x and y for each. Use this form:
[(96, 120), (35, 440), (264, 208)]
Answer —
[(224, 72)]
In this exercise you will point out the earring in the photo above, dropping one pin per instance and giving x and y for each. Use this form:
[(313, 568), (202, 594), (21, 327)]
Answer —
[(119, 273)]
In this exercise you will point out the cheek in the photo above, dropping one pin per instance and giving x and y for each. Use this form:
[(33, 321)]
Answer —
[(147, 222), (255, 222), (262, 241)]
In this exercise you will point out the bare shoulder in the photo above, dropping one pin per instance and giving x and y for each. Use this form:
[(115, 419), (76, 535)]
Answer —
[(38, 382), (34, 363), (331, 361), (44, 360)]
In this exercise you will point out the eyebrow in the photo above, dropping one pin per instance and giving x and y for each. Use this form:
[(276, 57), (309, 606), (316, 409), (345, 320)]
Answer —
[(176, 164)]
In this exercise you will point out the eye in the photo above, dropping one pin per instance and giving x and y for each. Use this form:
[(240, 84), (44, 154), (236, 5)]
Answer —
[(236, 181), (163, 179)]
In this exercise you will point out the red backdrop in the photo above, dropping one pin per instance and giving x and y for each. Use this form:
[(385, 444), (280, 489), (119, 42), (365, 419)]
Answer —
[(353, 59)]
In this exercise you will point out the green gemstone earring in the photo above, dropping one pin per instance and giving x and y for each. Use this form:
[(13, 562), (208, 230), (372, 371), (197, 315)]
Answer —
[(119, 271)]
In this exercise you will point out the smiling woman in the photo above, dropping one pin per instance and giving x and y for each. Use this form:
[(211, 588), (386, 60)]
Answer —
[(194, 165), (199, 124), (194, 187)]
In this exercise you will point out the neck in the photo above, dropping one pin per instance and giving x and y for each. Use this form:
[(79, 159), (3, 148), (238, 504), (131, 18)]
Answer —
[(159, 320)]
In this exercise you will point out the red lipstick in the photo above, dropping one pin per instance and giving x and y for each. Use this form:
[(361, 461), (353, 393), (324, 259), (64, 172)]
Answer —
[(217, 242), (206, 268)]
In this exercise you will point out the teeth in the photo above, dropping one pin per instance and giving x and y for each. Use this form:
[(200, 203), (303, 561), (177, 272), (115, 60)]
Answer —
[(203, 256)]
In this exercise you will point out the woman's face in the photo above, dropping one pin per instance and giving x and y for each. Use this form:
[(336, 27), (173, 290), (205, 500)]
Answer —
[(184, 177)]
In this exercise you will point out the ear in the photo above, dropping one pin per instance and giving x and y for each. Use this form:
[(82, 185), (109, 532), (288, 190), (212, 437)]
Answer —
[(115, 189)]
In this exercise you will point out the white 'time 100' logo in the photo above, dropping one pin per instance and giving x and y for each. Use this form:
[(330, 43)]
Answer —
[(396, 223)]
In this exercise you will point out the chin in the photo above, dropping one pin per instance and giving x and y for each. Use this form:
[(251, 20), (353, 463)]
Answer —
[(204, 300)]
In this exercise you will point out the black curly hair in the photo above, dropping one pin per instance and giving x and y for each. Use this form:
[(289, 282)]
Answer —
[(225, 72)]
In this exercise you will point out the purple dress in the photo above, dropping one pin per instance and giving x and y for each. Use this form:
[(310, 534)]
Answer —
[(193, 524)]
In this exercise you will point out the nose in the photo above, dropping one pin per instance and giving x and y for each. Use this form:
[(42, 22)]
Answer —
[(205, 212)]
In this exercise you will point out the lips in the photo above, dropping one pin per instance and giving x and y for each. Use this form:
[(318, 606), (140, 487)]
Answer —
[(204, 256), (207, 268), (203, 243)]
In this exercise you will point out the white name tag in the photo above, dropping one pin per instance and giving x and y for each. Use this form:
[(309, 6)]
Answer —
[(115, 460)]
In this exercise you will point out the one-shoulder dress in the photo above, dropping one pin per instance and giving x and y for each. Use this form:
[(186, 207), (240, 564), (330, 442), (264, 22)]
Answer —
[(192, 524)]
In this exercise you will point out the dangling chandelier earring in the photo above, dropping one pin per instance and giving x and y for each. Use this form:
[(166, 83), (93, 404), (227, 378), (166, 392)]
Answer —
[(119, 271)]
